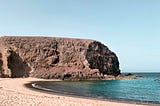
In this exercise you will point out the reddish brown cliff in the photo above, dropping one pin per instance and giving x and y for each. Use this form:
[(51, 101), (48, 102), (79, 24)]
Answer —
[(50, 57)]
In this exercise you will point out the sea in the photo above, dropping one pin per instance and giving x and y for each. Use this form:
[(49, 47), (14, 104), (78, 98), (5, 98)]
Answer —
[(145, 89)]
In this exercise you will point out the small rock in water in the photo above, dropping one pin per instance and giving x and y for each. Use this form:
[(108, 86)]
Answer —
[(158, 80)]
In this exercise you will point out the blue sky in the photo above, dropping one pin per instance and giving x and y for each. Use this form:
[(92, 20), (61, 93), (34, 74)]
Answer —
[(130, 28)]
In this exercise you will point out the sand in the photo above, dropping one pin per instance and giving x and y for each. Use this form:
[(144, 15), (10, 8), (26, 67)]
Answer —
[(14, 93)]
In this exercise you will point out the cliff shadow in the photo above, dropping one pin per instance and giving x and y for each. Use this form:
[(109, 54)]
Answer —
[(17, 66), (1, 63)]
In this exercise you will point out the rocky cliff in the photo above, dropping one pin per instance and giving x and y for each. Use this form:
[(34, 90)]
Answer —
[(50, 57)]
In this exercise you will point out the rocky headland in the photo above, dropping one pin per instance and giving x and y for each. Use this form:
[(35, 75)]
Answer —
[(51, 57)]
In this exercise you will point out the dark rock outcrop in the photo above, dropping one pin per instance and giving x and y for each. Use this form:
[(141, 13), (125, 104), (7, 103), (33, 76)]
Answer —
[(1, 64), (100, 57), (49, 57)]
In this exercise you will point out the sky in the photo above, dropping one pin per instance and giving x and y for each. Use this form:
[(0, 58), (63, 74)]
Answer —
[(130, 28)]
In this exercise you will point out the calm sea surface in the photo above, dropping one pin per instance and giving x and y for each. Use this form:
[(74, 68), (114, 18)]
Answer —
[(142, 89)]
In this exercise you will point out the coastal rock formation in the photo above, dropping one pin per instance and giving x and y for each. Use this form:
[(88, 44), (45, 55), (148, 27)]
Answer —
[(50, 57)]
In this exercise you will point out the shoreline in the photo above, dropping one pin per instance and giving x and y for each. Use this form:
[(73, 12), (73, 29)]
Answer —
[(15, 92), (137, 102)]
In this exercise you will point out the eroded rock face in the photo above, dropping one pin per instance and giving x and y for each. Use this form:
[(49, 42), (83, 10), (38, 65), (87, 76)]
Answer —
[(1, 64), (49, 57), (100, 57)]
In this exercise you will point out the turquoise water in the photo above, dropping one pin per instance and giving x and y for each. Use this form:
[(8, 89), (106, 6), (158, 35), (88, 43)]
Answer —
[(142, 89)]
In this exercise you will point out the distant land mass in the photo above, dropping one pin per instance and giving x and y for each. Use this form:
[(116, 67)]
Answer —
[(51, 57)]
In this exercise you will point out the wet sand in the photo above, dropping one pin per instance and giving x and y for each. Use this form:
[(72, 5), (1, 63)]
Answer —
[(13, 92)]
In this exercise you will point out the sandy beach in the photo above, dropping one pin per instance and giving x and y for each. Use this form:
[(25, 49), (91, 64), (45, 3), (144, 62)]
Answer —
[(14, 93)]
